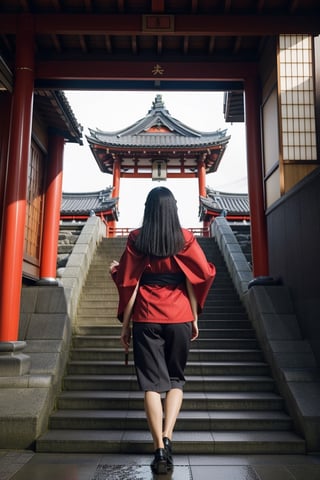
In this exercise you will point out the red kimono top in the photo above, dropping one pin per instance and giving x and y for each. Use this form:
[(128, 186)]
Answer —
[(163, 303)]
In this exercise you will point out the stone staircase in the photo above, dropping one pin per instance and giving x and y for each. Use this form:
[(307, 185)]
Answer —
[(231, 404)]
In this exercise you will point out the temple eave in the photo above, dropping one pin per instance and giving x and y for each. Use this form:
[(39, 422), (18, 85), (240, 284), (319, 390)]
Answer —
[(139, 161)]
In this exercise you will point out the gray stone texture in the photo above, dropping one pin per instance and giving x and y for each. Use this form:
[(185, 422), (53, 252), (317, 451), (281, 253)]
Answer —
[(236, 261), (290, 356), (31, 370)]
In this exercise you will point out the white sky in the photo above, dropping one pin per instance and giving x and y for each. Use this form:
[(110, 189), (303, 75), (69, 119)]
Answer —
[(112, 111)]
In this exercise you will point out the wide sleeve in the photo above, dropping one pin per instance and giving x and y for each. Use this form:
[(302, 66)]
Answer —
[(196, 268), (127, 274)]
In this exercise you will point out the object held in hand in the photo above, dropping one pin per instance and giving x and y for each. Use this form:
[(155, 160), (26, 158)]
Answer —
[(126, 359)]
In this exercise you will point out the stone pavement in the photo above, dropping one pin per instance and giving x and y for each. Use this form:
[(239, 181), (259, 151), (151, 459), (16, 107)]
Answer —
[(27, 465)]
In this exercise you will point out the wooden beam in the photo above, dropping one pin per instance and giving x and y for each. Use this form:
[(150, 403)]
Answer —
[(7, 43), (212, 44), (237, 45), (56, 42), (57, 5), (149, 175), (194, 6), (260, 6), (294, 5), (83, 43), (25, 5), (134, 44), (121, 6), (218, 25), (227, 6), (186, 45), (142, 70), (157, 6), (159, 45), (88, 5), (108, 43)]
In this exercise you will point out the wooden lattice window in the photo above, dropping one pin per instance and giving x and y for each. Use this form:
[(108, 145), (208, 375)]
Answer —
[(297, 98), (34, 218)]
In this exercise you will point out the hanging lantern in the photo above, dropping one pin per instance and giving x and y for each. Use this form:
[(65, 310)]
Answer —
[(159, 170)]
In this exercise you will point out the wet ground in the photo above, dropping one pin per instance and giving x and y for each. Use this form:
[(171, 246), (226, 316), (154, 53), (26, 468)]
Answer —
[(27, 465)]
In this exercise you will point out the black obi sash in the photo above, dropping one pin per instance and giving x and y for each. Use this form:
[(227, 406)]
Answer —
[(162, 279)]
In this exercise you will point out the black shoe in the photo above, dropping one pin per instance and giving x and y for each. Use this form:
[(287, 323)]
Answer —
[(168, 448), (159, 463)]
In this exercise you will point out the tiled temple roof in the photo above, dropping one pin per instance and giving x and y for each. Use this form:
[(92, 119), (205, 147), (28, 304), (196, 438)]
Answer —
[(236, 204), (87, 202), (158, 129), (54, 108)]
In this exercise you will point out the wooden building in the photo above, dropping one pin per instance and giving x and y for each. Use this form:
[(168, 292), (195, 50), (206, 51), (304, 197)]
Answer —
[(78, 207), (265, 52), (233, 206), (158, 146)]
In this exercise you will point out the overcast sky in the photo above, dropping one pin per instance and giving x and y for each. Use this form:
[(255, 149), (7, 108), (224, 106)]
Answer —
[(111, 111)]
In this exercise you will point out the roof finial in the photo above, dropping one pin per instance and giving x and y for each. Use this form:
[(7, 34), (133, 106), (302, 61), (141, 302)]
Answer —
[(158, 102)]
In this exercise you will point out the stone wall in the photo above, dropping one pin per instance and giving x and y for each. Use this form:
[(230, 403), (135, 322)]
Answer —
[(47, 314), (68, 237)]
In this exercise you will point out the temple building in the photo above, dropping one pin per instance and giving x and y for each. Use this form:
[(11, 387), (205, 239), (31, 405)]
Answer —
[(233, 206), (158, 146), (80, 206)]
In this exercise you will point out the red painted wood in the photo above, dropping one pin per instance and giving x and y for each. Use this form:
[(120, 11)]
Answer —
[(53, 196), (259, 241), (142, 69), (5, 108), (116, 178), (131, 24), (16, 189), (202, 179)]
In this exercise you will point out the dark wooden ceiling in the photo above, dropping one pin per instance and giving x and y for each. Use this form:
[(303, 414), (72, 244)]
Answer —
[(84, 40)]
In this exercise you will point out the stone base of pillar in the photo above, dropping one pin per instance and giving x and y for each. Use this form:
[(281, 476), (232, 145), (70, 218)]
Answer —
[(49, 281), (13, 362)]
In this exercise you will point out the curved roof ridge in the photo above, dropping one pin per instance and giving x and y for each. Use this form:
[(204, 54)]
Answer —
[(104, 191), (212, 191), (157, 116)]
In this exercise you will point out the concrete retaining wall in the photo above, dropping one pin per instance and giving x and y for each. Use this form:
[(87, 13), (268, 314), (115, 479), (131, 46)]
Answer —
[(271, 311), (47, 313)]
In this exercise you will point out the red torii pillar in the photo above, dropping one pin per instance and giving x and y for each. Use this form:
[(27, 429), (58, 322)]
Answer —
[(15, 202), (202, 190), (259, 242), (115, 192), (5, 106), (48, 265)]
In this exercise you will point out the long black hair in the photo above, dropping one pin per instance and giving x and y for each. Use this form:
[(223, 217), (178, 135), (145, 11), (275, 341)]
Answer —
[(160, 234)]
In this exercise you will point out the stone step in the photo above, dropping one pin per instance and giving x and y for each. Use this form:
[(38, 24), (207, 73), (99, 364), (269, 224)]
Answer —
[(188, 442), (103, 286), (100, 279), (193, 368), (88, 330), (90, 308), (101, 271), (132, 400), (91, 295), (203, 322), (201, 355), (193, 383), (230, 406), (204, 316), (187, 420), (105, 341)]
